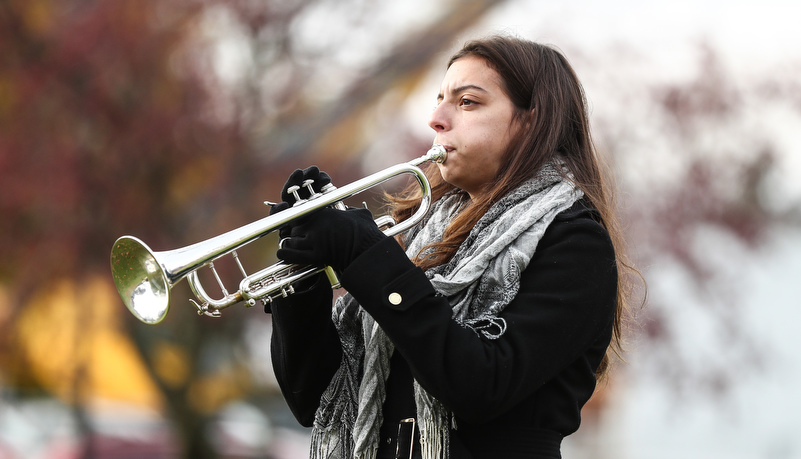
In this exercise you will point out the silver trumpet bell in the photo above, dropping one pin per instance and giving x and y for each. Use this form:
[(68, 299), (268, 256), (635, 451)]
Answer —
[(144, 277)]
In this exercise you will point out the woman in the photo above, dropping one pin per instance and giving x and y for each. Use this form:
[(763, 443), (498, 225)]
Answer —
[(482, 331)]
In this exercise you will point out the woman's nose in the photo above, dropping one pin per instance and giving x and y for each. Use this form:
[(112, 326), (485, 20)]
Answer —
[(439, 120)]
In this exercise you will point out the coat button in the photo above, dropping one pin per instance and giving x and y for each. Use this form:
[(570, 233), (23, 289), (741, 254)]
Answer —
[(395, 298)]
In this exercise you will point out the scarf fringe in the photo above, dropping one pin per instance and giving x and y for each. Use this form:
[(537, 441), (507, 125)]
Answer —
[(371, 453), (329, 444), (434, 439)]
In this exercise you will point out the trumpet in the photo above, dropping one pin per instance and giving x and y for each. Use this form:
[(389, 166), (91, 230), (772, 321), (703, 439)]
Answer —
[(144, 277)]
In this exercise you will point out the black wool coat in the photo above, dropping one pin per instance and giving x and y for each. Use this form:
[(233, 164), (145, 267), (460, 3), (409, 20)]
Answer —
[(516, 396)]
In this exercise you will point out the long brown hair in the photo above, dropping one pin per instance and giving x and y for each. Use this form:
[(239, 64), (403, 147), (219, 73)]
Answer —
[(551, 106)]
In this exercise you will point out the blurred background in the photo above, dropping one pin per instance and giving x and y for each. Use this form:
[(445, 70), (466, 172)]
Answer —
[(173, 121)]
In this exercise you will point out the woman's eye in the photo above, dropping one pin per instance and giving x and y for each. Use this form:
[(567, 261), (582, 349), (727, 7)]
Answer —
[(464, 102)]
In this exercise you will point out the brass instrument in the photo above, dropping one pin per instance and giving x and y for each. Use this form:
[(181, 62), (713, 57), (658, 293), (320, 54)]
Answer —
[(144, 277)]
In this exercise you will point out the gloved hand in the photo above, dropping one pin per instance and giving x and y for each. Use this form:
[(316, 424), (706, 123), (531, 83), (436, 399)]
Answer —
[(297, 178), (331, 237)]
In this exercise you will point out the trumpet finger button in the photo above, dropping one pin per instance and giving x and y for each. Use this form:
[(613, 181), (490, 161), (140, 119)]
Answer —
[(293, 190), (308, 185)]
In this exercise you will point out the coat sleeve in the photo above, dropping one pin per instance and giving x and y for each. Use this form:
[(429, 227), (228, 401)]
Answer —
[(304, 348), (564, 306)]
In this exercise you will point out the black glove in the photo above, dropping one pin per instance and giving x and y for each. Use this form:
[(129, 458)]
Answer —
[(297, 178), (331, 237)]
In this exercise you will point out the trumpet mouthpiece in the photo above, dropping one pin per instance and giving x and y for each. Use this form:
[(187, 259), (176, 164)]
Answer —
[(437, 154)]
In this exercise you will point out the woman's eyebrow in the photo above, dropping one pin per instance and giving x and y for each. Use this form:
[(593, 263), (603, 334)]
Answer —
[(462, 89)]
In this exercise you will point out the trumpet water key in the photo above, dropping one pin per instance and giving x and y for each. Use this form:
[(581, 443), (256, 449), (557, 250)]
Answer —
[(144, 277)]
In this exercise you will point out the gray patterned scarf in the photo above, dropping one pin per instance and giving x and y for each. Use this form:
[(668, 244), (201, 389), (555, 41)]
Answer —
[(479, 281)]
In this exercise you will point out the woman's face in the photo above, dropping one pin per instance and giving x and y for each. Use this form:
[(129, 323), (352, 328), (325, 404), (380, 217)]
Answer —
[(474, 122)]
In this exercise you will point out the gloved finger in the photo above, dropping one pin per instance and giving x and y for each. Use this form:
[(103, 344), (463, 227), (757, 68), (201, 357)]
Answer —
[(297, 257), (299, 226), (281, 206), (324, 179), (295, 179), (303, 243), (359, 213), (297, 250), (312, 222), (319, 177)]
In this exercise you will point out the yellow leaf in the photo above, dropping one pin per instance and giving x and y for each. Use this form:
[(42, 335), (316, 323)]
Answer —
[(72, 340)]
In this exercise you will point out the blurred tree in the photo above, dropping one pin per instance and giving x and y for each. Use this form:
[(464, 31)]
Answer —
[(107, 124), (95, 93), (697, 160)]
